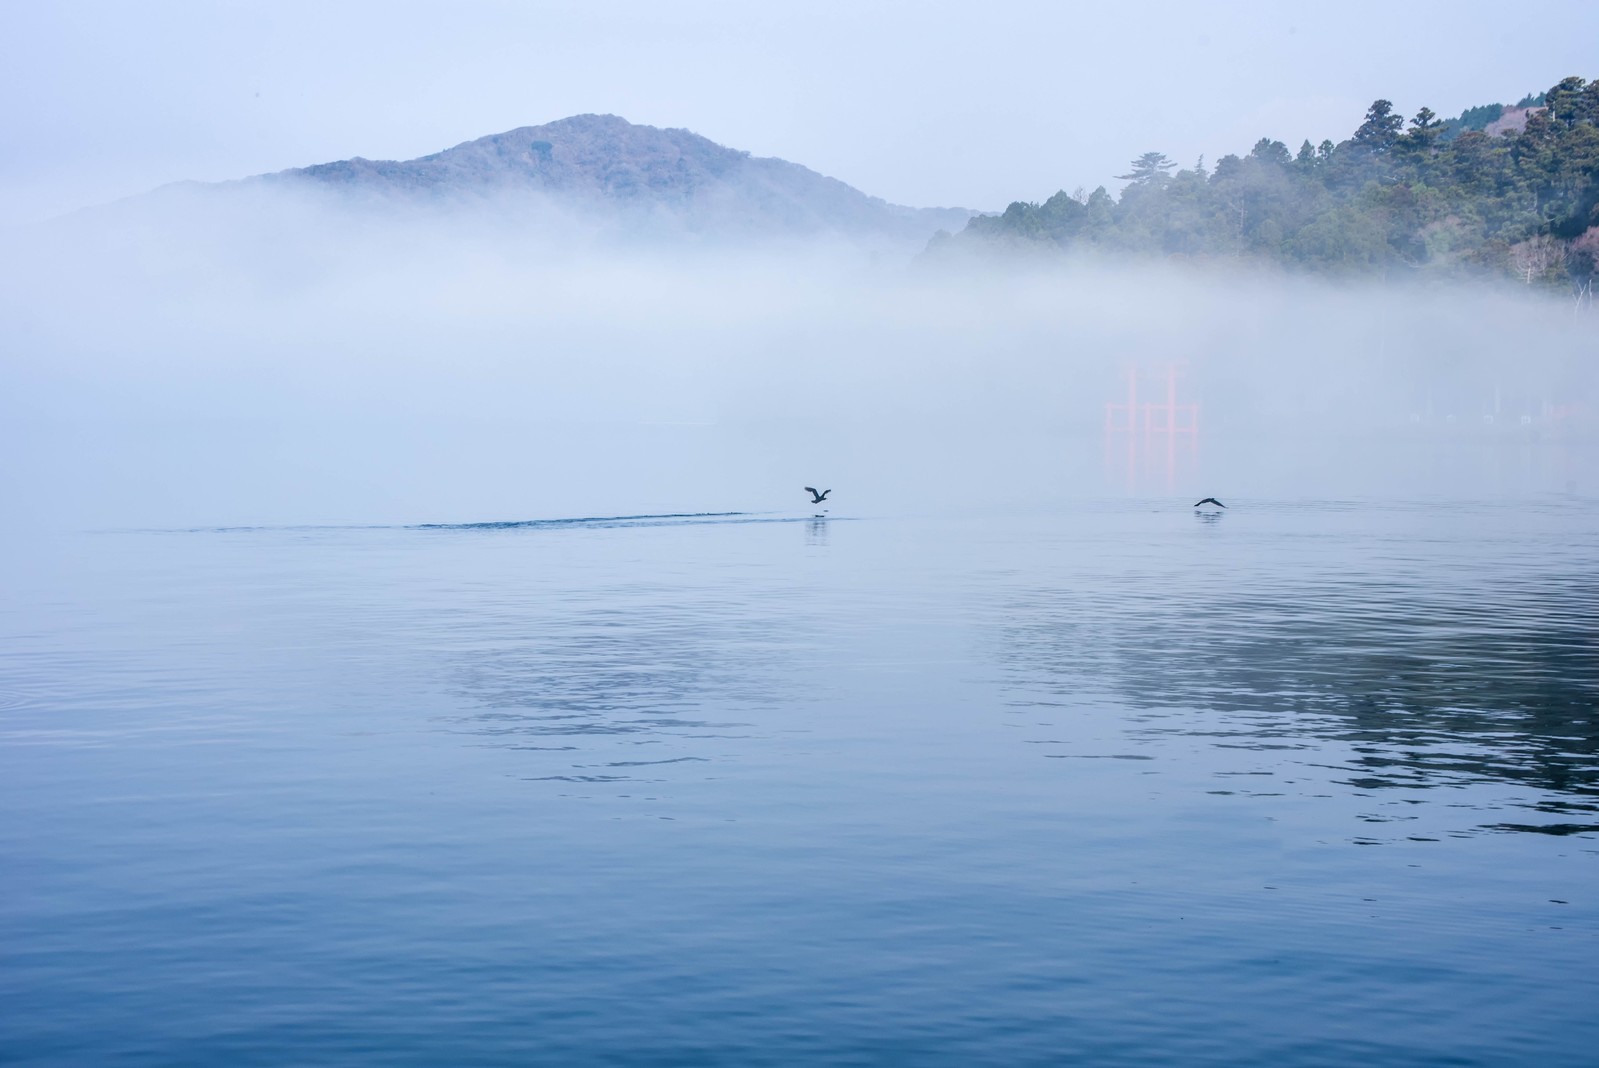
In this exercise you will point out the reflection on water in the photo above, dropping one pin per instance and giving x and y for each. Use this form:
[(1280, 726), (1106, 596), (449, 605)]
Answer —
[(1078, 788), (604, 672), (1428, 674), (599, 675)]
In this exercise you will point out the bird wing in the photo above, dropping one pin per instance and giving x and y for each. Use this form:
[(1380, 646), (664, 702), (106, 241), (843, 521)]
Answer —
[(825, 493), (812, 490), (1209, 500)]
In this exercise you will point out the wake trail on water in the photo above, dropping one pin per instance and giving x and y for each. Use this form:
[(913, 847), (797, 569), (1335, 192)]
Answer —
[(667, 519), (577, 522)]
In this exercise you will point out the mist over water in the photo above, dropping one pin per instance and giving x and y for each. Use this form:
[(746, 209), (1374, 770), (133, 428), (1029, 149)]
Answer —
[(418, 649), (282, 360)]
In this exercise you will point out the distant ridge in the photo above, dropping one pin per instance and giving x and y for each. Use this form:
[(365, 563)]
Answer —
[(639, 174)]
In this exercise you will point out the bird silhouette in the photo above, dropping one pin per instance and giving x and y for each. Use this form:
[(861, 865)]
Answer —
[(1210, 500), (817, 498)]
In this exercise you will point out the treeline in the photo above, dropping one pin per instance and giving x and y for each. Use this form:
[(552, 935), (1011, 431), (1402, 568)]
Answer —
[(1503, 189)]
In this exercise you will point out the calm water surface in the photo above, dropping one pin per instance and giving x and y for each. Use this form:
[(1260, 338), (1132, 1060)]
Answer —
[(1300, 784)]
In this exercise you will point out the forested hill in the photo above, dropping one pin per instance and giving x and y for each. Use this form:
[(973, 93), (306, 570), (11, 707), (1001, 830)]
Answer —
[(1509, 190)]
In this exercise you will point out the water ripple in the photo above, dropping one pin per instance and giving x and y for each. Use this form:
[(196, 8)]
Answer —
[(1427, 675)]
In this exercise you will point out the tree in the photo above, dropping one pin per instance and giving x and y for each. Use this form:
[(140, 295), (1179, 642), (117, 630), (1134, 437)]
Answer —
[(1148, 169), (1585, 251), (1268, 151), (1425, 130), (1568, 104), (1537, 257), (1101, 212), (1381, 128)]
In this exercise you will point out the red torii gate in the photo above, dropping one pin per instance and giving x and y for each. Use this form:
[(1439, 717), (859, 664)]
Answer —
[(1144, 426)]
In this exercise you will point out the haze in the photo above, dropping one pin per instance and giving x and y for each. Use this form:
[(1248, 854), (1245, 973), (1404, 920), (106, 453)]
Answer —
[(225, 357), (282, 360)]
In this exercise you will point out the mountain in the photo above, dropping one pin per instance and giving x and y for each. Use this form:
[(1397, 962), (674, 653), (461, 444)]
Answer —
[(633, 176)]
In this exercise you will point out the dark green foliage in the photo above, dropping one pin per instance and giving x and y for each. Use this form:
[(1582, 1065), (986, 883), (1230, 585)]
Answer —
[(1269, 151), (1381, 128), (1428, 195), (1478, 117), (1148, 169)]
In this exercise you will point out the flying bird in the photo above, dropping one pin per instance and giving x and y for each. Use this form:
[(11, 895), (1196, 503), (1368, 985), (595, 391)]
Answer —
[(817, 498), (1210, 500)]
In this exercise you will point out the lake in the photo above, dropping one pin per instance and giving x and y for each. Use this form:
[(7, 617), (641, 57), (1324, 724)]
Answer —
[(1109, 782)]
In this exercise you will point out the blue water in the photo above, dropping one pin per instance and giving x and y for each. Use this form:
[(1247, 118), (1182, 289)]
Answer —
[(1298, 784)]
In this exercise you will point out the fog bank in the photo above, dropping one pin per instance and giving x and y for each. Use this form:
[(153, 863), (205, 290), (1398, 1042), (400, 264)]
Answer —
[(279, 361)]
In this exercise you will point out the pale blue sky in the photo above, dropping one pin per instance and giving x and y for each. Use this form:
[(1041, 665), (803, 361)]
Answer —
[(963, 103)]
